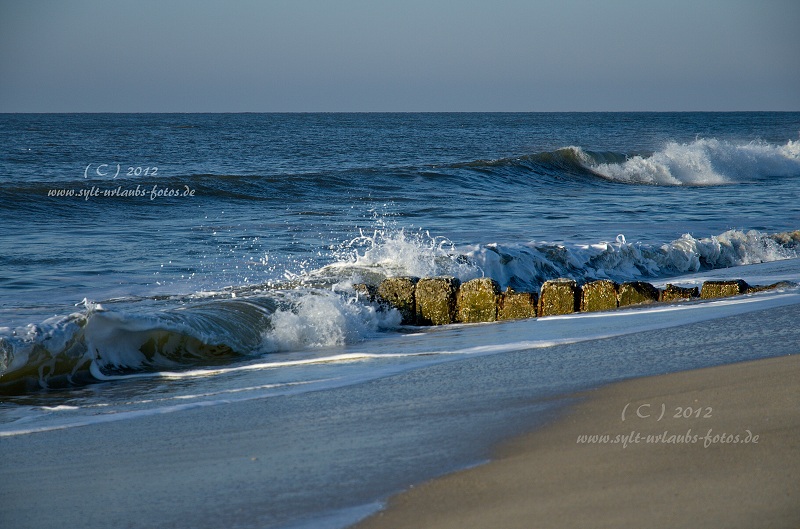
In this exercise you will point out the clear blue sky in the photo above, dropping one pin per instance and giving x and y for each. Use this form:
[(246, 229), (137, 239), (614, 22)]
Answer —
[(409, 55)]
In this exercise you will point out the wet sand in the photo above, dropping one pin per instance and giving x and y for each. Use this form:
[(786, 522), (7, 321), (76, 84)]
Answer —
[(670, 460)]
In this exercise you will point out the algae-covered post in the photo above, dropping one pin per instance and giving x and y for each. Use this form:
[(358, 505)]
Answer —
[(599, 295), (559, 296), (436, 300), (773, 286), (443, 300), (516, 305), (477, 301), (675, 293), (636, 292), (721, 289), (398, 292), (366, 291)]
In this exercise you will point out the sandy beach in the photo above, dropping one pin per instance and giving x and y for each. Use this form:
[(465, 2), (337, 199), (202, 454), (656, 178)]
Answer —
[(670, 459)]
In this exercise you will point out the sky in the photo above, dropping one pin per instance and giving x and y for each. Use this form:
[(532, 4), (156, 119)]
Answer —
[(399, 56)]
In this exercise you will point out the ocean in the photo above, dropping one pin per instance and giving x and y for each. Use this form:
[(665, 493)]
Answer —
[(152, 265)]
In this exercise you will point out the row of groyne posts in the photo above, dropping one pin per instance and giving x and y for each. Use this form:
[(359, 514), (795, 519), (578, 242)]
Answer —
[(443, 300)]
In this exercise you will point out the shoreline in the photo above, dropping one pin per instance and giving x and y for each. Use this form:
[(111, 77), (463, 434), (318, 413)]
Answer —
[(329, 457), (678, 471)]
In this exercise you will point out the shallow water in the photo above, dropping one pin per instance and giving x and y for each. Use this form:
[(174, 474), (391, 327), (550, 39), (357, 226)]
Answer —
[(256, 458)]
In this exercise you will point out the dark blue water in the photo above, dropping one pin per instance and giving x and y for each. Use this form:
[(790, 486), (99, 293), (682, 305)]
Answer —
[(149, 213)]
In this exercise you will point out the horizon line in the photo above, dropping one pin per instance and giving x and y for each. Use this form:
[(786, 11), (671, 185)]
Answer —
[(404, 112)]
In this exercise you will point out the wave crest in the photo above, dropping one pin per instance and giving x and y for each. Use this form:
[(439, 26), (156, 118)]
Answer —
[(526, 266), (703, 162), (320, 309), (322, 319), (99, 343)]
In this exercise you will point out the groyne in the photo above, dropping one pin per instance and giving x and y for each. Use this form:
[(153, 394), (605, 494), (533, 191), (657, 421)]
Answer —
[(444, 299)]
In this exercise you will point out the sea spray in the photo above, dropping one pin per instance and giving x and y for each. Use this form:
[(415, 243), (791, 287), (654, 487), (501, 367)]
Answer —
[(319, 309), (389, 252), (704, 162), (526, 266), (324, 319)]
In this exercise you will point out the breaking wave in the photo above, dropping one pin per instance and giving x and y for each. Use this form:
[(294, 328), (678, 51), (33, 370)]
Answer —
[(320, 309), (703, 162), (95, 343), (526, 266)]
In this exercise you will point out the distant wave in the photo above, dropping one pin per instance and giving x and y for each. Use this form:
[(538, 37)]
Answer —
[(703, 162)]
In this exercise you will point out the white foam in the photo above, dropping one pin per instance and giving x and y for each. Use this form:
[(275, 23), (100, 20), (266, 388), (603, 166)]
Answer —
[(324, 319), (388, 252), (48, 343), (528, 265), (258, 366), (705, 162)]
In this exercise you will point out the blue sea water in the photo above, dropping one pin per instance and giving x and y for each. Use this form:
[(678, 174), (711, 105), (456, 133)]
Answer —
[(151, 223), (157, 263)]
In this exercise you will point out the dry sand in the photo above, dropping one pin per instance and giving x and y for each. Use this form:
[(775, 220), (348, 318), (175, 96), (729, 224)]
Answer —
[(549, 479)]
